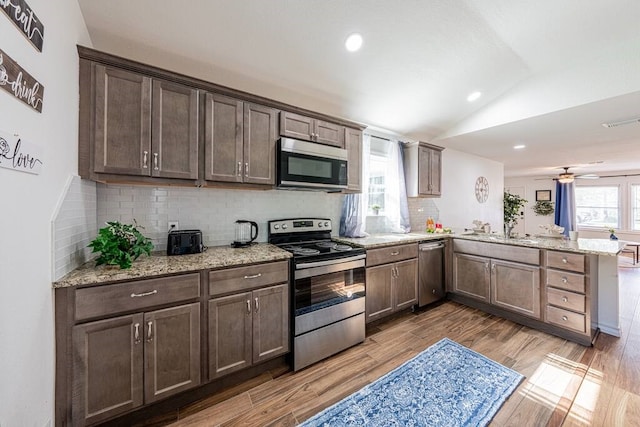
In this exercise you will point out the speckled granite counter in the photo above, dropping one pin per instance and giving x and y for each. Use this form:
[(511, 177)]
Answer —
[(158, 265), (389, 239), (584, 246)]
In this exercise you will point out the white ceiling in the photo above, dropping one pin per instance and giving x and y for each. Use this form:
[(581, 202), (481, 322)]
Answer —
[(550, 71)]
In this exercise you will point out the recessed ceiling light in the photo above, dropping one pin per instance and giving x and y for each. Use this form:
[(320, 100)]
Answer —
[(473, 96), (353, 42), (519, 147)]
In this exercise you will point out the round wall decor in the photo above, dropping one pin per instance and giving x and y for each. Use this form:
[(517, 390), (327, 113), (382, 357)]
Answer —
[(482, 189)]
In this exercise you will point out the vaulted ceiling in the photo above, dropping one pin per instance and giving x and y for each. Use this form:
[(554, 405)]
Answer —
[(550, 71)]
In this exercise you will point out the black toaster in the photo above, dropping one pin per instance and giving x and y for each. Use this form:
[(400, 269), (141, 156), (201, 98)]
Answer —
[(184, 242)]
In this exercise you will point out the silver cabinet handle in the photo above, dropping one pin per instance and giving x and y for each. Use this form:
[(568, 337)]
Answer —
[(136, 333), (433, 291), (257, 305), (149, 331), (248, 306), (493, 267), (253, 276), (486, 266), (239, 172), (144, 159), (246, 169), (565, 318), (564, 280), (145, 294), (565, 299), (395, 253), (155, 161), (564, 260)]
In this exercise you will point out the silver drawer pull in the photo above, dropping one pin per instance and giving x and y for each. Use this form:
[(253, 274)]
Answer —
[(136, 333), (564, 280), (257, 305), (395, 253), (564, 260), (145, 294), (150, 331), (253, 276), (565, 318), (565, 299)]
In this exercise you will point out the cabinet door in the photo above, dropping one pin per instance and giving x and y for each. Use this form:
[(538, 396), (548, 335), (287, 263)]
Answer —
[(230, 324), (270, 322), (471, 276), (296, 126), (516, 287), (122, 128), (405, 284), (435, 172), (379, 297), (424, 170), (172, 351), (329, 133), (353, 143), (175, 131), (107, 368), (260, 136), (223, 139)]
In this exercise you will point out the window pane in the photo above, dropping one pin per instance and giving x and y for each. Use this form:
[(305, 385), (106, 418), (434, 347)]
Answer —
[(635, 203), (597, 206), (377, 179)]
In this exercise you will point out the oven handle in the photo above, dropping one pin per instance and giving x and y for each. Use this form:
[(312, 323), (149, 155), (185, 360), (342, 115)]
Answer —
[(329, 262), (333, 267)]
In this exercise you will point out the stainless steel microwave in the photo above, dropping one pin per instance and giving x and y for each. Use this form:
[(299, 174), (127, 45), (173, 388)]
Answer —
[(302, 164)]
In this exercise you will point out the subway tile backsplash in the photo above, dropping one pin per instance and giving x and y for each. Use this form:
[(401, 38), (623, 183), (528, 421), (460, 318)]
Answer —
[(213, 211)]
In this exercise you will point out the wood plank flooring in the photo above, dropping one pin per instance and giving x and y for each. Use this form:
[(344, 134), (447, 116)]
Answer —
[(566, 384)]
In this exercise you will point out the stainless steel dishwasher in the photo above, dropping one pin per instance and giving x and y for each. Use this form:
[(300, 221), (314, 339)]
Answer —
[(430, 272)]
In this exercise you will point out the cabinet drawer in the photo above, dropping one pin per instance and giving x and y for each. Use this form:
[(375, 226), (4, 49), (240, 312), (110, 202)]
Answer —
[(498, 251), (134, 296), (566, 261), (565, 299), (566, 319), (242, 278), (391, 254), (563, 280)]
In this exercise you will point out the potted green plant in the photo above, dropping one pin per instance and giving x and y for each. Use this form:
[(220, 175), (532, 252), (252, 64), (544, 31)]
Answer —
[(375, 208), (512, 207), (120, 244), (612, 235)]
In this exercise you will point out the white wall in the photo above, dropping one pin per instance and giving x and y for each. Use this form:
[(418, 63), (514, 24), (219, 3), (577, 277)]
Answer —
[(27, 207), (458, 206), (531, 221)]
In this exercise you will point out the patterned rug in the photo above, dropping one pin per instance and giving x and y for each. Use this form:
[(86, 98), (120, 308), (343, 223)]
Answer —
[(445, 385)]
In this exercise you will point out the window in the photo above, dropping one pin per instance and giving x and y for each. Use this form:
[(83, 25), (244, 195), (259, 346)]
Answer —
[(635, 206), (378, 179), (598, 206)]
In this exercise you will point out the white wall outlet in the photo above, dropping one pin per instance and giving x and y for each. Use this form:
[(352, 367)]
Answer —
[(174, 225)]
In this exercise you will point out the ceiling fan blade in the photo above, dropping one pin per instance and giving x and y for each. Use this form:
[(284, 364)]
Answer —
[(588, 176)]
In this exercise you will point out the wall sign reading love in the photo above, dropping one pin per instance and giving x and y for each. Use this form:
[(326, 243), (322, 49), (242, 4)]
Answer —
[(17, 154), (27, 22), (19, 83)]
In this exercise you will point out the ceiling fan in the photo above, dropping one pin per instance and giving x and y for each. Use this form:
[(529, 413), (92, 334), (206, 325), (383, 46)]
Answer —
[(566, 176)]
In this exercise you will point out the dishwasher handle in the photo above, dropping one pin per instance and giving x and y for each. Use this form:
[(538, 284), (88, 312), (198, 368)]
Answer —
[(430, 246)]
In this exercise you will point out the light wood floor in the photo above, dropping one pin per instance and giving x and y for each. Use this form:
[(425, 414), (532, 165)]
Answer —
[(566, 384)]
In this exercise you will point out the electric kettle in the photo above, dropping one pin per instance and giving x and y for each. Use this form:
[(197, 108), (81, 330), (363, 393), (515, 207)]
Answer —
[(245, 233)]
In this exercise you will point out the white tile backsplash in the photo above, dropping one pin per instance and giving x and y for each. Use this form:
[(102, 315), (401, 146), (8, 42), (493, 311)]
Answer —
[(213, 211), (74, 226)]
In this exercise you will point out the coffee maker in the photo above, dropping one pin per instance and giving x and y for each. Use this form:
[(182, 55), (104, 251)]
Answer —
[(246, 232)]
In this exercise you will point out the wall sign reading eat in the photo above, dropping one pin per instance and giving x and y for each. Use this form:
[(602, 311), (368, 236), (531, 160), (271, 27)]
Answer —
[(21, 14), (19, 83)]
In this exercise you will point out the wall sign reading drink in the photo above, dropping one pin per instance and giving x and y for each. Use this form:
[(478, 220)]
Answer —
[(21, 14), (19, 83), (19, 155)]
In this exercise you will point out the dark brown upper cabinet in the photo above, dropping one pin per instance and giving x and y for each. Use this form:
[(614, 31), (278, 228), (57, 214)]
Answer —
[(309, 129), (143, 127), (423, 170), (240, 141)]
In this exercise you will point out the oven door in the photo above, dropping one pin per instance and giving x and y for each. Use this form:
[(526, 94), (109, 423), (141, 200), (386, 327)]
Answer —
[(308, 165), (328, 283)]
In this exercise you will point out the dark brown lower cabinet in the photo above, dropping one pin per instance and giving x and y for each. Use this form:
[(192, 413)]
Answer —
[(125, 362), (247, 328), (390, 288)]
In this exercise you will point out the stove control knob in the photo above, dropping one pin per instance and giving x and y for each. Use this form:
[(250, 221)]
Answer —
[(326, 224), (276, 226), (284, 226), (319, 225)]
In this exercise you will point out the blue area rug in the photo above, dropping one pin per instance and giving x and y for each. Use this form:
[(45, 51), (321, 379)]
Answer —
[(445, 385)]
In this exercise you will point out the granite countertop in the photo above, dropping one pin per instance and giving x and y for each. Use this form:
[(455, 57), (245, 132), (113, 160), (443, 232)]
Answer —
[(158, 264), (389, 239)]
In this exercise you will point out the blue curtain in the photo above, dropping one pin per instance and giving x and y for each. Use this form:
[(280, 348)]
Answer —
[(352, 218), (565, 206)]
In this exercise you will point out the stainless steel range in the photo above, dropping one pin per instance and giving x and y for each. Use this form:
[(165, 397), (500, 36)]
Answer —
[(328, 289)]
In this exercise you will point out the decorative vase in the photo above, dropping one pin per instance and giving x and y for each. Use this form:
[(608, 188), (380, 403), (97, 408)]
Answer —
[(508, 228), (613, 237)]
